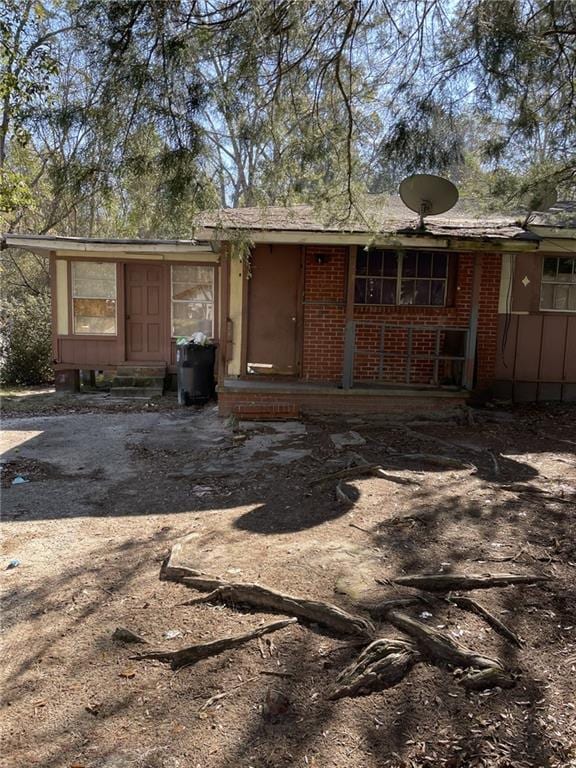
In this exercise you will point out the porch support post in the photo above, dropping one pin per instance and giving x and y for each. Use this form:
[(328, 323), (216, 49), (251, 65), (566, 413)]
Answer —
[(223, 318), (468, 378), (350, 326)]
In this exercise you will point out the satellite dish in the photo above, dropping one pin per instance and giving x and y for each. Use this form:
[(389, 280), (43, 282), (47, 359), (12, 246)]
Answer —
[(541, 199), (428, 195)]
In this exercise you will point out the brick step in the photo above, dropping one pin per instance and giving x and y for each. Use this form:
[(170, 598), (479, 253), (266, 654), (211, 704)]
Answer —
[(139, 392), (266, 410)]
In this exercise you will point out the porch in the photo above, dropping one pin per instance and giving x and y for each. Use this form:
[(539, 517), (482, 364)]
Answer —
[(276, 398)]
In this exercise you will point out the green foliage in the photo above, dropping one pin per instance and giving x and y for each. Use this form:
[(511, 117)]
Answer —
[(25, 341)]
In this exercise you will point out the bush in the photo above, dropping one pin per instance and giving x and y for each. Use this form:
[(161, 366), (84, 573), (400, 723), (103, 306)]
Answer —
[(26, 341)]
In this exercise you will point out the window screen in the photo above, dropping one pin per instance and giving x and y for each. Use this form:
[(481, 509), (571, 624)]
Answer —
[(192, 300), (94, 298)]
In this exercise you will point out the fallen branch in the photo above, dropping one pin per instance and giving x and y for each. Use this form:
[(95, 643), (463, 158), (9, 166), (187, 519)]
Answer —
[(381, 665), (445, 582), (193, 653), (468, 604), (223, 694), (258, 596)]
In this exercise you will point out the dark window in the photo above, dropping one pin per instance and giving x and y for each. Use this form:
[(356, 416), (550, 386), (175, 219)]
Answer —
[(558, 290), (417, 278)]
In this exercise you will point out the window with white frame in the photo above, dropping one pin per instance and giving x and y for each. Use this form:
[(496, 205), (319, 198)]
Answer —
[(192, 299), (94, 298), (407, 278), (558, 289)]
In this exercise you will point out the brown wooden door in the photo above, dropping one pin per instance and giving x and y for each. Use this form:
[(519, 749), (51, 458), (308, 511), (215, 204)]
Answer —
[(145, 330), (273, 310)]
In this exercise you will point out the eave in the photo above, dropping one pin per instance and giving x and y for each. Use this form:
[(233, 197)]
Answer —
[(78, 246)]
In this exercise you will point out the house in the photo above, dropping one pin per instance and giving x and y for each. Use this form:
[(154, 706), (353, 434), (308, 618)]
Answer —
[(312, 314)]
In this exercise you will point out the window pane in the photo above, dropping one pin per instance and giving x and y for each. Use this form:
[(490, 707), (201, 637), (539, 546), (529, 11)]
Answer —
[(547, 297), (561, 296), (440, 265), (374, 292), (185, 292), (93, 281), (185, 277), (409, 265), (360, 291), (375, 259), (565, 270), (424, 264), (407, 292), (422, 292), (550, 266), (192, 299), (390, 264), (572, 298), (189, 317), (437, 292), (94, 316), (361, 262), (388, 291)]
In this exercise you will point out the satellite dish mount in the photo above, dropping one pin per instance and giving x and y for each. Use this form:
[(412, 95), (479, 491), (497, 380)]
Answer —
[(428, 195)]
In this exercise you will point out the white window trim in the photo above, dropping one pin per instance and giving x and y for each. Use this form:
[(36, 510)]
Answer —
[(73, 296), (187, 301)]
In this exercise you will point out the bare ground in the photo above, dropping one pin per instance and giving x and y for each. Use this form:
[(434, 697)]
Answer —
[(109, 494)]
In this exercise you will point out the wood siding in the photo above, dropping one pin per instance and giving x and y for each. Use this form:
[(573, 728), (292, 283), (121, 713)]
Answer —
[(101, 352)]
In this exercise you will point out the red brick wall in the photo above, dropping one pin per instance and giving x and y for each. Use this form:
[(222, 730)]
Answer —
[(324, 304), (324, 322)]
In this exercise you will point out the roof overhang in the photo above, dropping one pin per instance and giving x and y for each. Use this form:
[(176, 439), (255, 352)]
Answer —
[(80, 246), (390, 240)]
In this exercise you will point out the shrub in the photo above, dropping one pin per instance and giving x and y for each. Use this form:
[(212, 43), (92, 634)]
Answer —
[(26, 341)]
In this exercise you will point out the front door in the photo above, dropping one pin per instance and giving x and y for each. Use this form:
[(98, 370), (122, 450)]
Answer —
[(144, 313), (274, 289)]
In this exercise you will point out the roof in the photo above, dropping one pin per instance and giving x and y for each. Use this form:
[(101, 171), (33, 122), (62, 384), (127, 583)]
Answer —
[(380, 214)]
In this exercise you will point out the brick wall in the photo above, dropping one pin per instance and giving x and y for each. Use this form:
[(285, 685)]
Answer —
[(324, 304), (324, 323)]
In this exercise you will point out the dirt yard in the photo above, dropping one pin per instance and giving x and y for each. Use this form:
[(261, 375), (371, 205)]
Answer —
[(110, 493)]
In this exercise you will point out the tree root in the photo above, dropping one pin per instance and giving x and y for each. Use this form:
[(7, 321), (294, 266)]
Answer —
[(444, 462), (439, 648), (258, 596), (193, 653), (446, 582), (468, 604), (381, 665)]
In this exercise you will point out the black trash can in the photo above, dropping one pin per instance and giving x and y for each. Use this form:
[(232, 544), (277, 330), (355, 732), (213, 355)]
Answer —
[(195, 371)]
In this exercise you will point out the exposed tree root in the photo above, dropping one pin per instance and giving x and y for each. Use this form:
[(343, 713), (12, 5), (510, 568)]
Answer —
[(376, 470), (193, 653), (468, 604), (325, 614), (445, 582), (438, 647), (480, 679), (445, 462), (381, 665)]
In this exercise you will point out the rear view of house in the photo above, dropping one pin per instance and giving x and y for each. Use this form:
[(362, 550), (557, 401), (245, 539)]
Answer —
[(313, 315)]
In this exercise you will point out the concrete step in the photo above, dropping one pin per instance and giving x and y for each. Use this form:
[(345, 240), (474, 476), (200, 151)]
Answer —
[(141, 392), (141, 371), (137, 381)]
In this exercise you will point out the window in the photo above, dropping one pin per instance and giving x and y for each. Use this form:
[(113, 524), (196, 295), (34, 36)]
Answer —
[(94, 297), (192, 300), (558, 291), (412, 277)]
